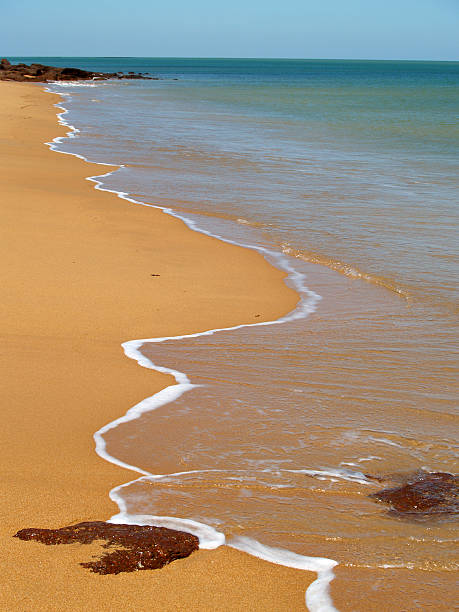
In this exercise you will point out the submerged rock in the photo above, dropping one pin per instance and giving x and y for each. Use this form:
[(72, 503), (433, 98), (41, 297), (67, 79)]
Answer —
[(136, 547), (424, 494)]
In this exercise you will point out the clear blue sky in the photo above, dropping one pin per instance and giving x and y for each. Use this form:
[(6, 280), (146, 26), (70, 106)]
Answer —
[(373, 29)]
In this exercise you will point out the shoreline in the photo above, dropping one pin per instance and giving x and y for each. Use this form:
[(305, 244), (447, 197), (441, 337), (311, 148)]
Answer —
[(317, 594), (68, 344), (78, 268)]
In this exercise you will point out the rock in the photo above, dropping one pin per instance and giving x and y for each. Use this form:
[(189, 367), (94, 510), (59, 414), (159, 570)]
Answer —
[(76, 73), (135, 547), (134, 76), (42, 73), (423, 494)]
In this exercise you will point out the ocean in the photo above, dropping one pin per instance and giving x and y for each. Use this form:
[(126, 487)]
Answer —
[(345, 174)]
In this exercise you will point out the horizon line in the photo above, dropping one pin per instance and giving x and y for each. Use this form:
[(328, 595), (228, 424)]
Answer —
[(337, 59)]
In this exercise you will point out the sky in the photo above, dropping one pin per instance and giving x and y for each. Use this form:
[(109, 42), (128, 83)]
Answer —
[(347, 29)]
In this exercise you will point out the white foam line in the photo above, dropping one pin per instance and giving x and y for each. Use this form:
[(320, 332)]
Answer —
[(209, 537), (74, 84), (334, 473), (317, 596)]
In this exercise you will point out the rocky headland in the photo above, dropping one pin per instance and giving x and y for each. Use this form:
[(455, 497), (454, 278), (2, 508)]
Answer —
[(40, 73)]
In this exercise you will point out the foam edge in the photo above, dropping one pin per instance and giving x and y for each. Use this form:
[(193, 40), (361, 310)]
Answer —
[(317, 596)]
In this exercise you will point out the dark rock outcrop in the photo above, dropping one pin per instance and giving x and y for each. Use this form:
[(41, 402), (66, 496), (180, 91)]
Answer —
[(423, 495), (135, 547), (41, 73)]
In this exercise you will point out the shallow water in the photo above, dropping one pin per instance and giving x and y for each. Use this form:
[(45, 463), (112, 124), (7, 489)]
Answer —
[(276, 441), (349, 164)]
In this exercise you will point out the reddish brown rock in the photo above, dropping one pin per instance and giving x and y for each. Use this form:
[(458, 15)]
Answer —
[(135, 547), (41, 73), (424, 495)]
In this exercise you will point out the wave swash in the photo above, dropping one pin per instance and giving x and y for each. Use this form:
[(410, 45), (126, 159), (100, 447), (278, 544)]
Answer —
[(317, 594)]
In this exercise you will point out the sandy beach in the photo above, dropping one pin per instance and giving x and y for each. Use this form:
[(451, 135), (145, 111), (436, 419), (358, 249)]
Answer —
[(77, 280), (84, 271)]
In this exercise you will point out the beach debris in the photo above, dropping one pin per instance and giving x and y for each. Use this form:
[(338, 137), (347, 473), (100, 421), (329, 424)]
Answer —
[(423, 495), (135, 547), (42, 73)]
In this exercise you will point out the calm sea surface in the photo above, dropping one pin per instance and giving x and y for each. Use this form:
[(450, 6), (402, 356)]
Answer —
[(349, 169)]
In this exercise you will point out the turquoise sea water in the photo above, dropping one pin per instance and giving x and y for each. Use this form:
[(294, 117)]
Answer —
[(349, 169)]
